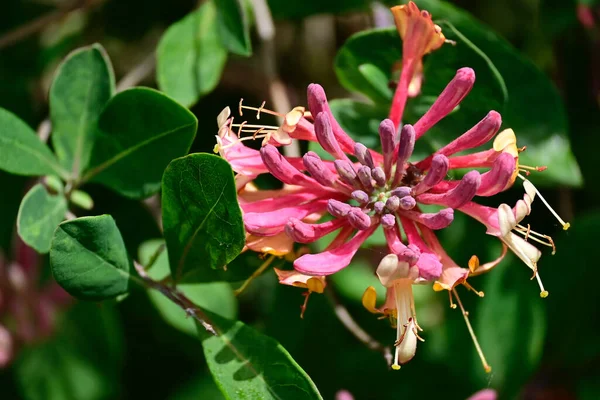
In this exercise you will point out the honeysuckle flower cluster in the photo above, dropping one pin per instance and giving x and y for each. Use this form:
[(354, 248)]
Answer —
[(356, 190)]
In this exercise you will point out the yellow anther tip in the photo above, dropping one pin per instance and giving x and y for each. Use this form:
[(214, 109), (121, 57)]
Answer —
[(453, 306), (566, 226), (544, 294), (488, 369), (216, 149), (395, 367)]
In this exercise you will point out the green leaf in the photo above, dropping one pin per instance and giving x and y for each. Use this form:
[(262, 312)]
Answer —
[(190, 57), (365, 63), (248, 364), (234, 29), (89, 259), (39, 215), (22, 152), (141, 131), (202, 219), (510, 322), (82, 360), (216, 297), (83, 84)]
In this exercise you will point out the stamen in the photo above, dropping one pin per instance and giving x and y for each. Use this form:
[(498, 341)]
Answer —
[(452, 305), (303, 306), (527, 233), (468, 286), (538, 169), (255, 274), (564, 224), (486, 366), (258, 110), (543, 292)]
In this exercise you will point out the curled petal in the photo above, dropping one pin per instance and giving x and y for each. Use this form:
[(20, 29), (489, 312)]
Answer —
[(303, 232), (430, 267), (450, 278), (278, 245), (391, 269), (450, 97), (499, 177), (333, 260), (293, 278)]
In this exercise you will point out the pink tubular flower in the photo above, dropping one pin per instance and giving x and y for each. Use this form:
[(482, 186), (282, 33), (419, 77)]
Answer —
[(360, 189)]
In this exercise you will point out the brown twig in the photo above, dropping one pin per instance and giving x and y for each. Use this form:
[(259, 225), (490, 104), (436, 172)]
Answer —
[(176, 297), (350, 324), (36, 25)]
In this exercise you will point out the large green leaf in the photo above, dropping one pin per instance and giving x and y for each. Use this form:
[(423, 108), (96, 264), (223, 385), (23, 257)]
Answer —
[(234, 28), (141, 131), (89, 259), (510, 322), (22, 152), (216, 297), (83, 84), (202, 219), (190, 56), (532, 107), (248, 364), (39, 215), (82, 360)]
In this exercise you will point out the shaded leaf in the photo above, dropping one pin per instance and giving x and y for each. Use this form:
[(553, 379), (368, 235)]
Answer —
[(234, 28), (248, 364), (22, 152), (190, 56), (202, 219), (141, 131), (39, 215), (89, 259), (83, 84)]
